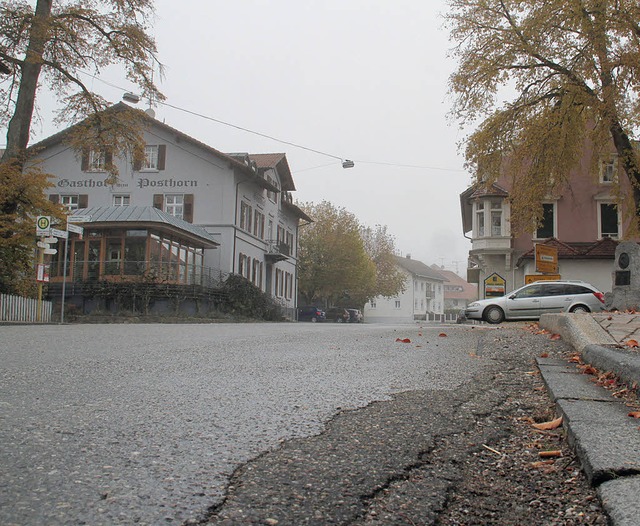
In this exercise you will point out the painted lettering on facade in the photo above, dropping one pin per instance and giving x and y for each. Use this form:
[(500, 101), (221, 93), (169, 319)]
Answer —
[(85, 183), (165, 183)]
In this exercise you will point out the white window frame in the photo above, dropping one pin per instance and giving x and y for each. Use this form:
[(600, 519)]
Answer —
[(97, 161), (121, 199), (609, 170), (495, 210), (174, 205), (602, 235), (480, 219), (69, 202), (555, 221), (150, 162)]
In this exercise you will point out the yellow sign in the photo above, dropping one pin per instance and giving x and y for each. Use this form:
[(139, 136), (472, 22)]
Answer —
[(494, 286), (546, 259), (530, 278)]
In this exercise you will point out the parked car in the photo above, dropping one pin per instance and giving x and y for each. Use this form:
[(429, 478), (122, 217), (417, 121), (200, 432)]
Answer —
[(311, 313), (338, 314), (355, 316), (535, 299)]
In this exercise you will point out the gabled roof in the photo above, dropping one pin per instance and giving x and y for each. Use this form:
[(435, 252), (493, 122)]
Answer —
[(603, 249), (419, 269), (145, 216), (278, 161), (493, 190), (122, 107), (468, 292)]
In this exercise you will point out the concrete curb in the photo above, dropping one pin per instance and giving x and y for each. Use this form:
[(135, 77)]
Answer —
[(604, 437)]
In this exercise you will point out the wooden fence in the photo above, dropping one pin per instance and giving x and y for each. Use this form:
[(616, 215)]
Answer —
[(18, 309)]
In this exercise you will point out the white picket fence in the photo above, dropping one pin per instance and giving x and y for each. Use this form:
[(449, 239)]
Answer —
[(18, 309)]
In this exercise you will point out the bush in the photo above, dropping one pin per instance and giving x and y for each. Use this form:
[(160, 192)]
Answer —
[(243, 298)]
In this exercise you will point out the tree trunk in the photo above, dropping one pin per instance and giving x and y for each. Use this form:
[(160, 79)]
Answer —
[(627, 154), (20, 124)]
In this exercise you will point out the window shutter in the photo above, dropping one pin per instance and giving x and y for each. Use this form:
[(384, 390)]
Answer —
[(158, 201), (187, 214), (162, 156), (137, 164), (54, 198), (83, 200), (84, 163), (108, 158)]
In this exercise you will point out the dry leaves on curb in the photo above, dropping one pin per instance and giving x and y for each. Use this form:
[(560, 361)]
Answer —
[(547, 426)]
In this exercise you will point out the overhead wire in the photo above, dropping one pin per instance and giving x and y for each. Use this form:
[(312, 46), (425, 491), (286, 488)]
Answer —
[(282, 141)]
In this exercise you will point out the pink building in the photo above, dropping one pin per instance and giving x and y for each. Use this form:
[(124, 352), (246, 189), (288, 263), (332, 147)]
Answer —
[(582, 221)]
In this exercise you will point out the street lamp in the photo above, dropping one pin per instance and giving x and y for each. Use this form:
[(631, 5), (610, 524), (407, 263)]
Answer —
[(348, 163)]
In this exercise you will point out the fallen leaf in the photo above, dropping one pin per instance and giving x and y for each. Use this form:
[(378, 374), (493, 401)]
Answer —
[(588, 369), (631, 343), (544, 355), (575, 358), (442, 335), (546, 426), (419, 346), (542, 463), (419, 334), (548, 454), (555, 337), (634, 414), (403, 340)]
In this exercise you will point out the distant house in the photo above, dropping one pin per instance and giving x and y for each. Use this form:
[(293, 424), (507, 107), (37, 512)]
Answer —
[(582, 221), (423, 295), (242, 202), (458, 293)]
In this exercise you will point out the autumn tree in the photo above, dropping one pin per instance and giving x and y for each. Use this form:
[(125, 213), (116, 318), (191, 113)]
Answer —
[(50, 46), (570, 71), (380, 245), (342, 262)]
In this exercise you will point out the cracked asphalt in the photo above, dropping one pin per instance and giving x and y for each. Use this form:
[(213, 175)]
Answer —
[(147, 424)]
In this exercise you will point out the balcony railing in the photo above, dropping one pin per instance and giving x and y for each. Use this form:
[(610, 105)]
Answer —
[(149, 271), (277, 250)]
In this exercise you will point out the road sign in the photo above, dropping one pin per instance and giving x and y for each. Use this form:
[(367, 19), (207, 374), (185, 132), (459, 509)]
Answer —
[(546, 259), (494, 286), (531, 278), (43, 225), (41, 244), (59, 233), (50, 251), (78, 219), (75, 229)]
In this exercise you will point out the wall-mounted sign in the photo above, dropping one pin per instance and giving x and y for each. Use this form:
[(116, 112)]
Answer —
[(494, 286), (546, 259), (531, 278)]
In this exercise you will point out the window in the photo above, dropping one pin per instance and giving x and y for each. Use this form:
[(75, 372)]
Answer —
[(397, 305), (121, 200), (174, 205), (70, 202), (547, 226), (373, 304), (258, 224), (273, 196), (256, 273), (244, 262), (608, 171), (246, 213), (150, 157), (609, 221), (480, 219), (97, 161), (496, 218)]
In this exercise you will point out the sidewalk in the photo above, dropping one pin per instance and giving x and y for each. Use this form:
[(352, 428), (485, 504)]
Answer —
[(604, 436)]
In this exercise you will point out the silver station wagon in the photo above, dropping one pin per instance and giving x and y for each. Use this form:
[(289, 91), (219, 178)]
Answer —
[(533, 300)]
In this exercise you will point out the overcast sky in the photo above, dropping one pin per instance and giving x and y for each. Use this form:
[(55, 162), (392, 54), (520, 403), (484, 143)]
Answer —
[(358, 79)]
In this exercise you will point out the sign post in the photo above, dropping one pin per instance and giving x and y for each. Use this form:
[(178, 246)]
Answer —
[(546, 259)]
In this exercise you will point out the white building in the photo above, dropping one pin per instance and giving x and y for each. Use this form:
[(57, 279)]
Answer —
[(242, 200), (423, 295)]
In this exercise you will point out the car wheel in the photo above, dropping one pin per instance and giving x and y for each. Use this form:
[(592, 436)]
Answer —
[(314, 319), (494, 314), (580, 308)]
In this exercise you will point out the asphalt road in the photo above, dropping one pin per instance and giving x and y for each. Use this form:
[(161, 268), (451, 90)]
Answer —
[(145, 424)]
